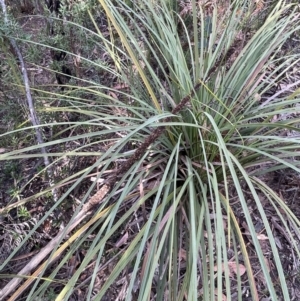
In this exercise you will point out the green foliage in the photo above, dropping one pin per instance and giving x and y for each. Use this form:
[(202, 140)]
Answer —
[(23, 213), (182, 202), (10, 169)]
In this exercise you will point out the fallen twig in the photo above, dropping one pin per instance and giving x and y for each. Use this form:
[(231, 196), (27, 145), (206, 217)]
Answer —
[(33, 117), (92, 203)]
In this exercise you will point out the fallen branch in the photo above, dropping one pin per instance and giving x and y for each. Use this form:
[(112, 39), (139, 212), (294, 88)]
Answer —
[(33, 117), (92, 203)]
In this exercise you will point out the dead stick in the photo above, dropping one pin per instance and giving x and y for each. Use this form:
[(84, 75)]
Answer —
[(93, 201), (33, 116)]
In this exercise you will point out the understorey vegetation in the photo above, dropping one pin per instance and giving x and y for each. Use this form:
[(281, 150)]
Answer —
[(149, 150)]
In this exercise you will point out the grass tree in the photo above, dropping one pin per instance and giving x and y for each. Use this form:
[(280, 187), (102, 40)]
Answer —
[(184, 139)]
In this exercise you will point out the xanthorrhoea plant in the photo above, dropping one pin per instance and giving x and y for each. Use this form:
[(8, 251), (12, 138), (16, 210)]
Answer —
[(179, 190)]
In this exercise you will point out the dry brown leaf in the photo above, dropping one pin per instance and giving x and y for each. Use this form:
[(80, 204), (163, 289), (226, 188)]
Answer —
[(233, 268), (182, 254), (259, 5), (136, 68), (113, 95), (72, 264), (77, 60), (224, 298)]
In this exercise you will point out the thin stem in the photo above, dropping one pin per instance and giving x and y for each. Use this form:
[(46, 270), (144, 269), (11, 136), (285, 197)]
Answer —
[(33, 116)]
